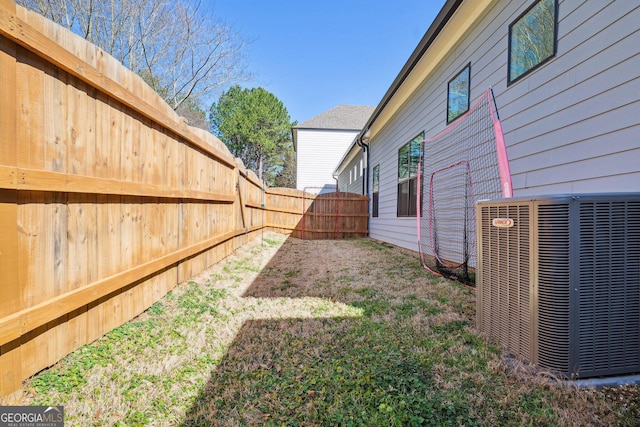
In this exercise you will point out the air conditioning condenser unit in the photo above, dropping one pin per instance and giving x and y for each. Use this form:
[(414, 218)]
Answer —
[(558, 281)]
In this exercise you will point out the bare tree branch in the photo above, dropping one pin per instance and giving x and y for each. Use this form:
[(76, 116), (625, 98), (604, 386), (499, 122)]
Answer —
[(178, 46)]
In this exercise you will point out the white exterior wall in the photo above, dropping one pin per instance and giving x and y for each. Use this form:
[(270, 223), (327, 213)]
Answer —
[(318, 154), (351, 179), (570, 126)]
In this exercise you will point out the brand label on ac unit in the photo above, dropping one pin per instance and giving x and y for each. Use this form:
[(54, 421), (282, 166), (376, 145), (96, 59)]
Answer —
[(502, 222)]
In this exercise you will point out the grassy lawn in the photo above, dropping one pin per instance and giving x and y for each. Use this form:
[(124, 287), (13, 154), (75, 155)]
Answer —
[(302, 333)]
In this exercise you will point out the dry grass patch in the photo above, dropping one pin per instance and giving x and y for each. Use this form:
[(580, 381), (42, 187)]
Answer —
[(291, 332)]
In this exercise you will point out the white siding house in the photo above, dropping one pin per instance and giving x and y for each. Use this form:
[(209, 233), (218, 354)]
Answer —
[(571, 121), (321, 141), (352, 171)]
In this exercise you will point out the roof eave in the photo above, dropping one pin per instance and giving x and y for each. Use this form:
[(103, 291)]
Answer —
[(341, 164), (436, 27)]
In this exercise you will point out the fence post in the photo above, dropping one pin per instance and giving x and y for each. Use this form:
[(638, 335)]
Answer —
[(10, 300), (338, 222)]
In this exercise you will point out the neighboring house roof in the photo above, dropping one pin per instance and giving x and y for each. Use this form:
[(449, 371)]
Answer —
[(343, 117)]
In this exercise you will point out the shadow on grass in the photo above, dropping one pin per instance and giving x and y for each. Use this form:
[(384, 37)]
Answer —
[(337, 371), (313, 333), (385, 367), (408, 356)]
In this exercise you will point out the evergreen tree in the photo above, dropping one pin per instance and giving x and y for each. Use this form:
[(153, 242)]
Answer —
[(256, 127)]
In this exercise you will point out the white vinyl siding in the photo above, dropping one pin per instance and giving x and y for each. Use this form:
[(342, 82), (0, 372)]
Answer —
[(571, 125), (318, 154), (352, 177)]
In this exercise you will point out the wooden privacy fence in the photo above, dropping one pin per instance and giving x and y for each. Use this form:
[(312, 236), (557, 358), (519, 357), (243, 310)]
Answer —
[(107, 198), (333, 216), (310, 216)]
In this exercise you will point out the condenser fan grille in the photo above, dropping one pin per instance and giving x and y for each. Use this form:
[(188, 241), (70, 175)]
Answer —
[(553, 286), (609, 295)]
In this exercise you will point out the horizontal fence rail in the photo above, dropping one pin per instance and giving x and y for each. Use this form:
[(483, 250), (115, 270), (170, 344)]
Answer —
[(107, 198), (335, 215)]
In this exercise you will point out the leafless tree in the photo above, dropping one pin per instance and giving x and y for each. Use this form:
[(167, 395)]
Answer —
[(177, 46)]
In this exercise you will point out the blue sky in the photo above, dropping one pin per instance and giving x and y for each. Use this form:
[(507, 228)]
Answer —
[(314, 55)]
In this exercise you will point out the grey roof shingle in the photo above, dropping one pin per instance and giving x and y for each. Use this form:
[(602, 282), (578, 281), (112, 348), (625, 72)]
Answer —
[(347, 117)]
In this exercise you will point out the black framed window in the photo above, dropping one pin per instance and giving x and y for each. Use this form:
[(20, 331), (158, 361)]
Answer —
[(532, 38), (458, 94), (408, 158), (376, 191)]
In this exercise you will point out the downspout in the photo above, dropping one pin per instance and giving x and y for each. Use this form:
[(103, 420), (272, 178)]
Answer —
[(363, 141)]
